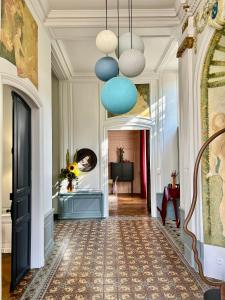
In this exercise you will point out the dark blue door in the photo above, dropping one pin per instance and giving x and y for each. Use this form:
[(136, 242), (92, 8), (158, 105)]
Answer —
[(21, 191)]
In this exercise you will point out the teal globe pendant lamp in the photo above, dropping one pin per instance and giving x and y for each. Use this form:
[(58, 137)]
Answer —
[(119, 95)]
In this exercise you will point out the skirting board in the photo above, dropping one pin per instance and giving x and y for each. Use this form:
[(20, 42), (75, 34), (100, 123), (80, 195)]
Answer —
[(48, 232), (6, 233)]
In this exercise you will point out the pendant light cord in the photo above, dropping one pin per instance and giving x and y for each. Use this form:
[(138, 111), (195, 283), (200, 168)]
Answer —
[(129, 13), (106, 14), (118, 19), (131, 22)]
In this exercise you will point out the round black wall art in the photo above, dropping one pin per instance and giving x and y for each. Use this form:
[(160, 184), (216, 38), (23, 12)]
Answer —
[(87, 160)]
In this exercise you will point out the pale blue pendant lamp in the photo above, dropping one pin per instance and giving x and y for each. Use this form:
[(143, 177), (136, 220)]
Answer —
[(106, 68), (119, 94), (106, 42)]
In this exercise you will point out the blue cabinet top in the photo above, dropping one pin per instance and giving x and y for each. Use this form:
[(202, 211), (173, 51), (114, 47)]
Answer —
[(82, 192)]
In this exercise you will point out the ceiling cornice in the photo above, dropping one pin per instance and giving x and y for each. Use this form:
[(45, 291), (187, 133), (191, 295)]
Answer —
[(167, 54), (61, 63), (41, 8), (96, 18)]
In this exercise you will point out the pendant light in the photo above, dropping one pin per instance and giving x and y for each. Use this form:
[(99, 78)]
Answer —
[(119, 94), (106, 67), (106, 40), (131, 61), (125, 38)]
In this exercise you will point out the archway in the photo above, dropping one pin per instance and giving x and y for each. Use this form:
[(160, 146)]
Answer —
[(213, 119), (37, 226), (125, 124)]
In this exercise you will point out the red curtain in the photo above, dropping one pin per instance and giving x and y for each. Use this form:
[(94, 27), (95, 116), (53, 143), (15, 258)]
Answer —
[(143, 165)]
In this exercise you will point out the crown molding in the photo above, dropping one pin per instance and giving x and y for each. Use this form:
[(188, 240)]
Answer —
[(112, 13), (96, 18), (171, 49), (81, 34), (40, 7), (61, 64)]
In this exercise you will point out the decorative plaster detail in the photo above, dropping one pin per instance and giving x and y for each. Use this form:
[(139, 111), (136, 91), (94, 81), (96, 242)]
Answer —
[(188, 43), (23, 85), (96, 18), (205, 17)]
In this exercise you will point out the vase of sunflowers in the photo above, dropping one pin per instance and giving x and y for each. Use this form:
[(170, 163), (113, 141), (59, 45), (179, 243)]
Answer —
[(71, 172)]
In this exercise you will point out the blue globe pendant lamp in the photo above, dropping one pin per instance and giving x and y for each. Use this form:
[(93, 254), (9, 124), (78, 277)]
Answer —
[(106, 68), (119, 95)]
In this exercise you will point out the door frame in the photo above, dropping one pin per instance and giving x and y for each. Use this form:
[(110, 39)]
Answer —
[(148, 161), (15, 278), (126, 124), (31, 97)]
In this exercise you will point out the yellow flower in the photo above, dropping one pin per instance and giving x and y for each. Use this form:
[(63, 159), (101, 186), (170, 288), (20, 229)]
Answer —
[(73, 168)]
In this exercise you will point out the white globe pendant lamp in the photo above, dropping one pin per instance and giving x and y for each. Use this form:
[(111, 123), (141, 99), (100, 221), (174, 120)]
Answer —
[(106, 41), (125, 43), (132, 63)]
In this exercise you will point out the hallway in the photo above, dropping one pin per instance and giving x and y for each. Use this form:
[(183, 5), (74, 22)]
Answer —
[(118, 258), (127, 205)]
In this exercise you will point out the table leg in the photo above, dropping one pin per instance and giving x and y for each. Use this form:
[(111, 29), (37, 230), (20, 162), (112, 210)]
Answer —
[(164, 209), (175, 211), (132, 188)]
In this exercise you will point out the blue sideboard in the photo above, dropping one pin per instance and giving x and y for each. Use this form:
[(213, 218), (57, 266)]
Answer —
[(82, 204)]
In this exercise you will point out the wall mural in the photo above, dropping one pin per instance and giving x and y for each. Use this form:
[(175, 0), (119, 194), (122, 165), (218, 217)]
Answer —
[(142, 108), (212, 120), (19, 38)]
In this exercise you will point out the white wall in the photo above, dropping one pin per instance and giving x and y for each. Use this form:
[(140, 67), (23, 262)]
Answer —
[(40, 100), (55, 141), (190, 72), (168, 125), (79, 124), (7, 147)]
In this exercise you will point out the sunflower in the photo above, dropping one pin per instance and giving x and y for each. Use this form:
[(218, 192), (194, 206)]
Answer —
[(73, 168)]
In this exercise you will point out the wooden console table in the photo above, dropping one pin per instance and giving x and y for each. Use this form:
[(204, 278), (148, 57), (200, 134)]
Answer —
[(83, 204), (173, 195), (123, 172)]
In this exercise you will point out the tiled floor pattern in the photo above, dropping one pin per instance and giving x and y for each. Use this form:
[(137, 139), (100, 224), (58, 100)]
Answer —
[(174, 233), (118, 258)]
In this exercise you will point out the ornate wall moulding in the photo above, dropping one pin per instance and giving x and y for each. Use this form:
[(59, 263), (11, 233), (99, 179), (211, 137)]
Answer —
[(213, 14)]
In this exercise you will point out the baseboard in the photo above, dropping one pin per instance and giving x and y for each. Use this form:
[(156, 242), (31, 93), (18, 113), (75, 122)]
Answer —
[(48, 232)]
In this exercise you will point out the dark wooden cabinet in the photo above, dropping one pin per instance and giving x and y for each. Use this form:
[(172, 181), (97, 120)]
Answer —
[(123, 172)]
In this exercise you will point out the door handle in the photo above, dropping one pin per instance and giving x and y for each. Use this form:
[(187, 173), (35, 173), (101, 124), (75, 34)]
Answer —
[(8, 210)]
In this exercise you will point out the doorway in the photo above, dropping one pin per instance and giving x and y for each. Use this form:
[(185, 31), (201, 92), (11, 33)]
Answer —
[(17, 196), (129, 172)]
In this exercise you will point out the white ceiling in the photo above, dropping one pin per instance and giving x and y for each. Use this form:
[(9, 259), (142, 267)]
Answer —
[(83, 54), (100, 4), (74, 24)]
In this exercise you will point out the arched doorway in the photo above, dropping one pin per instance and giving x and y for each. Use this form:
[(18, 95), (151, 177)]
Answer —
[(213, 163), (12, 83)]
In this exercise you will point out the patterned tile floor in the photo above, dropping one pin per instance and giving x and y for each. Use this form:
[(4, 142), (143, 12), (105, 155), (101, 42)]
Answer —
[(174, 233), (118, 258)]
